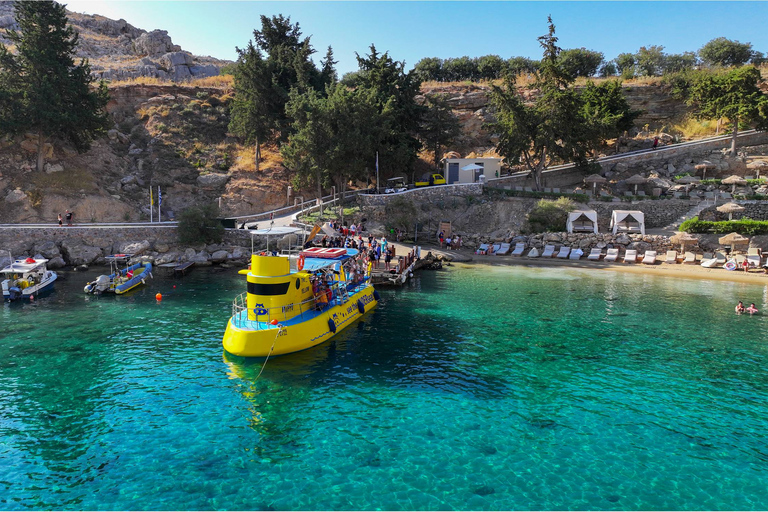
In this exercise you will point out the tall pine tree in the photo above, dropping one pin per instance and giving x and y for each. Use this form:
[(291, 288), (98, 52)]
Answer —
[(42, 90)]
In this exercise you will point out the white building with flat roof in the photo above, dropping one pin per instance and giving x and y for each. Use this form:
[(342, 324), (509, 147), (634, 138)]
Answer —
[(469, 170)]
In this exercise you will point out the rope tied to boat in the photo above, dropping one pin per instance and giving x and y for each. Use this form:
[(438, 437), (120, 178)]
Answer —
[(279, 330)]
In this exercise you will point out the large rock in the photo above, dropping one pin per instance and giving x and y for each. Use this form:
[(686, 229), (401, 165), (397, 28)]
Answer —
[(15, 196), (173, 59), (134, 248), (154, 44), (219, 256), (47, 249), (201, 258), (52, 168), (77, 253), (57, 262), (212, 180)]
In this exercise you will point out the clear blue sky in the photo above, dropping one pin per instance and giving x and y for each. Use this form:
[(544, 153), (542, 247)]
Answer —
[(413, 30)]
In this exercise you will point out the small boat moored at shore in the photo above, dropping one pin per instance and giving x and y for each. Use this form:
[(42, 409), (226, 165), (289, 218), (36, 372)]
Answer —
[(120, 280), (26, 278), (295, 302)]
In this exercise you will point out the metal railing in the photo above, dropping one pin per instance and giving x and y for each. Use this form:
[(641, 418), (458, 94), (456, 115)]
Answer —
[(280, 313)]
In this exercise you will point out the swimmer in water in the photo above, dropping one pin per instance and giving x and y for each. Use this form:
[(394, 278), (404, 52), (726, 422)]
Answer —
[(752, 309), (740, 308)]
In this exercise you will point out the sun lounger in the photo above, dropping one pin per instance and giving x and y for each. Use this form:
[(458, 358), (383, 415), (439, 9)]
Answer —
[(649, 258), (630, 256), (482, 249), (564, 252), (690, 258), (708, 262), (671, 257), (549, 251), (503, 250), (533, 253), (494, 249), (595, 254), (611, 255), (576, 254), (754, 257), (519, 248), (721, 259)]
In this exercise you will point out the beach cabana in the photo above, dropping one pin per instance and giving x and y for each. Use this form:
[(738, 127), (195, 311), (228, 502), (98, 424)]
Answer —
[(630, 221), (730, 209), (583, 221)]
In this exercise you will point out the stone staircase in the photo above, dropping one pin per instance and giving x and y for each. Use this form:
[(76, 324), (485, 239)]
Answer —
[(693, 212)]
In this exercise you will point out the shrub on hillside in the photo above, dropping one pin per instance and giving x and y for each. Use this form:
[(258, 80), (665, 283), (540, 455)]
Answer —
[(200, 224), (549, 215)]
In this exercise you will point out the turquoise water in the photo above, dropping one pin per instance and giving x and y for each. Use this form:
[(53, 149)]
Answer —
[(474, 388)]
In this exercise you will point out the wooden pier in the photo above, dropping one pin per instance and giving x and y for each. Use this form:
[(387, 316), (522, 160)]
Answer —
[(399, 274)]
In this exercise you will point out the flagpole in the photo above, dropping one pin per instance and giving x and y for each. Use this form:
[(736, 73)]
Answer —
[(151, 206), (377, 172), (159, 203)]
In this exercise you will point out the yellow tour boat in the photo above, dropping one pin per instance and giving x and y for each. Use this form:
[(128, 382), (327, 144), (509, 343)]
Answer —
[(294, 303)]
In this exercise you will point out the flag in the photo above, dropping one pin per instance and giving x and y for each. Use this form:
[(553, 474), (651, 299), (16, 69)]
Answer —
[(151, 198), (159, 197)]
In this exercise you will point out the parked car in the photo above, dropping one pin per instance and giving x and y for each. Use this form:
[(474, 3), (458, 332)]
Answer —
[(429, 179)]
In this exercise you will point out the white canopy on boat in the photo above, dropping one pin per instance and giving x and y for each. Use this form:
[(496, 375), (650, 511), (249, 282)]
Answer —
[(628, 220), (277, 230), (21, 266), (576, 214)]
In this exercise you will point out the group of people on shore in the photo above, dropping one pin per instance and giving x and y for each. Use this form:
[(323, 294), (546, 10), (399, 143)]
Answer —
[(449, 242), (741, 309)]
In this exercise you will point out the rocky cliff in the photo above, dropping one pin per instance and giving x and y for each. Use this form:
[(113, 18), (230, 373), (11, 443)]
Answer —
[(120, 51)]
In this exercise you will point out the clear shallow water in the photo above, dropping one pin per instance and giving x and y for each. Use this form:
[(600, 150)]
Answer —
[(476, 388)]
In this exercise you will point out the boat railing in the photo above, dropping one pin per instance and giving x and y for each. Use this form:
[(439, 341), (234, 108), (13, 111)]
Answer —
[(297, 309)]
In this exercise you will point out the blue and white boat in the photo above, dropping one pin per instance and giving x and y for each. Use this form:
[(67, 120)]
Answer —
[(26, 278), (120, 280)]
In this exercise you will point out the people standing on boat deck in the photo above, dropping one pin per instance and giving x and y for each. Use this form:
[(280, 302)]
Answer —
[(739, 308), (60, 221), (69, 218)]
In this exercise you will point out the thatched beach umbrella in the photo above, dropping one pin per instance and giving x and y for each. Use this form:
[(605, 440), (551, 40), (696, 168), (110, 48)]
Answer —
[(688, 180), (635, 180), (703, 166), (734, 180), (684, 239), (594, 179), (757, 165), (733, 239), (730, 209)]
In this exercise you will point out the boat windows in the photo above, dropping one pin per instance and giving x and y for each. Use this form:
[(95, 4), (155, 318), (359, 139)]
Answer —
[(268, 288)]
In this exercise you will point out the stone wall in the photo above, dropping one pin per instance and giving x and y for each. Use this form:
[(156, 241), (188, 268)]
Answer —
[(433, 194), (85, 246), (587, 241)]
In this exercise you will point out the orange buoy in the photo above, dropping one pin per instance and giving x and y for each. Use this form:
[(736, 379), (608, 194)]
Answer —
[(159, 297), (273, 322)]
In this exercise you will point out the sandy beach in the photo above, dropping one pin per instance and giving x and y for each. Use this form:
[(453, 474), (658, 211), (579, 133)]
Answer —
[(754, 276)]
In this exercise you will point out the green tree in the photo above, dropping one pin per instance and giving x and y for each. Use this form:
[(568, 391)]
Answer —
[(263, 84), (650, 60), (580, 61), (490, 67), (200, 225), (521, 66), (429, 69), (439, 125), (625, 63), (606, 110), (734, 95), (677, 62), (334, 136), (42, 90), (608, 69), (725, 52), (553, 126), (462, 68), (395, 94)]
